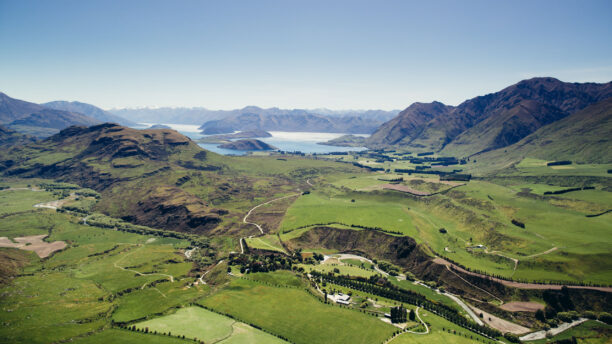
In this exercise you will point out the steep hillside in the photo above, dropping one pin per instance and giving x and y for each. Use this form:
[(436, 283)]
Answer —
[(505, 128), (583, 137), (488, 122), (88, 110), (36, 119), (10, 137), (408, 125), (55, 119)]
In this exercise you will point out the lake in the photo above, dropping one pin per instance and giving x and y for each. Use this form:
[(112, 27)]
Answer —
[(304, 142)]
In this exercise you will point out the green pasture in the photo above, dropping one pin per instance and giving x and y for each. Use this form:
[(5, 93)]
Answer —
[(344, 269), (114, 335), (295, 314), (268, 242), (12, 201), (204, 325)]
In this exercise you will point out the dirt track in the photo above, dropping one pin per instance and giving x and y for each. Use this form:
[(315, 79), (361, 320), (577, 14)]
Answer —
[(518, 306), (500, 324)]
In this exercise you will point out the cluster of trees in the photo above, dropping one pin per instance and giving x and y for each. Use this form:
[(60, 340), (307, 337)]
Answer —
[(369, 168), (559, 192), (421, 171), (264, 263), (389, 268), (518, 223), (559, 163), (389, 291), (461, 177), (398, 314)]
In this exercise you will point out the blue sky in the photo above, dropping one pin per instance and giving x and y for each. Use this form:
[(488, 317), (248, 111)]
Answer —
[(295, 54)]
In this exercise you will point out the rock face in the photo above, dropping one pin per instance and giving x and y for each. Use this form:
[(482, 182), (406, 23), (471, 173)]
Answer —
[(248, 145), (488, 122)]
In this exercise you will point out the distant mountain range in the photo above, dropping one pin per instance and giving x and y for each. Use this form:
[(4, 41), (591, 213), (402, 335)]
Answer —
[(42, 120), (256, 118), (490, 122), (88, 110)]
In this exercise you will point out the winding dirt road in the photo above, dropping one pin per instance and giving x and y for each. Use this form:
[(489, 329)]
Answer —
[(244, 220), (262, 204)]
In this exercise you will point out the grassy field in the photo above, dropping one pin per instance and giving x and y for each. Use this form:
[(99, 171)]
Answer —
[(559, 242), (204, 325), (344, 269), (103, 274), (267, 242), (386, 212), (295, 314), (125, 336), (12, 201)]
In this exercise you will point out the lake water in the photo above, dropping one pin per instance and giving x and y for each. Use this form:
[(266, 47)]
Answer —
[(284, 140)]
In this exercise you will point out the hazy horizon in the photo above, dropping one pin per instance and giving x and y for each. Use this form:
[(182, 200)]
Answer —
[(336, 55)]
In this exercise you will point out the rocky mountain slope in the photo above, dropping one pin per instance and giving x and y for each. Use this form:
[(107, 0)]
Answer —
[(487, 122)]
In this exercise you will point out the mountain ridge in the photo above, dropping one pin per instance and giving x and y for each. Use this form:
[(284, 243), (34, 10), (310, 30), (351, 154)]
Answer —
[(490, 121)]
